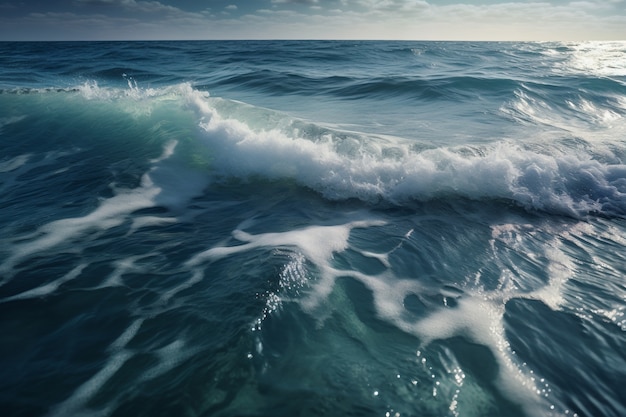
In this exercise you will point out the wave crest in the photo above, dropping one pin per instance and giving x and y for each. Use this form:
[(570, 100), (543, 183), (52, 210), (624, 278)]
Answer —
[(345, 165), (235, 140)]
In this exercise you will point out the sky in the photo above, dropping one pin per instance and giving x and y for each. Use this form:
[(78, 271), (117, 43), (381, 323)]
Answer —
[(540, 20)]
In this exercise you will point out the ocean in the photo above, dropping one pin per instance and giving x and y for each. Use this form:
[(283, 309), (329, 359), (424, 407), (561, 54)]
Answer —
[(313, 228)]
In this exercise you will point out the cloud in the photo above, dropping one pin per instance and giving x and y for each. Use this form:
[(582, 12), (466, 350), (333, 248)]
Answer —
[(393, 5), (329, 19), (132, 5), (99, 2), (295, 1), (404, 19)]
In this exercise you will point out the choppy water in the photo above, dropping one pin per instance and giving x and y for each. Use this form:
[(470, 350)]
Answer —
[(313, 229)]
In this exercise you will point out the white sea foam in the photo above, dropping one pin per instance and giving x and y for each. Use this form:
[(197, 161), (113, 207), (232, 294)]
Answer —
[(317, 243), (77, 403), (577, 167), (128, 335), (168, 357), (543, 177), (162, 185), (14, 163), (196, 276), (109, 214), (122, 266), (477, 313), (242, 141), (48, 288), (11, 169)]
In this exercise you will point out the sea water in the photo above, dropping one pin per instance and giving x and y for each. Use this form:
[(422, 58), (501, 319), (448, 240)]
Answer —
[(312, 229)]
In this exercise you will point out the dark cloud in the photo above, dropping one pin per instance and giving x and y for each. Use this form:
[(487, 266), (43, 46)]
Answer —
[(295, 1), (131, 5)]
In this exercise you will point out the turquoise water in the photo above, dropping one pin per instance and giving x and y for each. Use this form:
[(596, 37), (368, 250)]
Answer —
[(312, 228)]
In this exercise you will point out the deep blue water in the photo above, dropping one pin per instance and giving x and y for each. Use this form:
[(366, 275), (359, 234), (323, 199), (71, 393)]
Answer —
[(312, 229)]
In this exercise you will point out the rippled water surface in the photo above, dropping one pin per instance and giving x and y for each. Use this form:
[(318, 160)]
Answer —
[(312, 228)]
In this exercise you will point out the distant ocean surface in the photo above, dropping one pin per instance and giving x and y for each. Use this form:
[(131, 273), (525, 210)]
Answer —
[(315, 228)]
